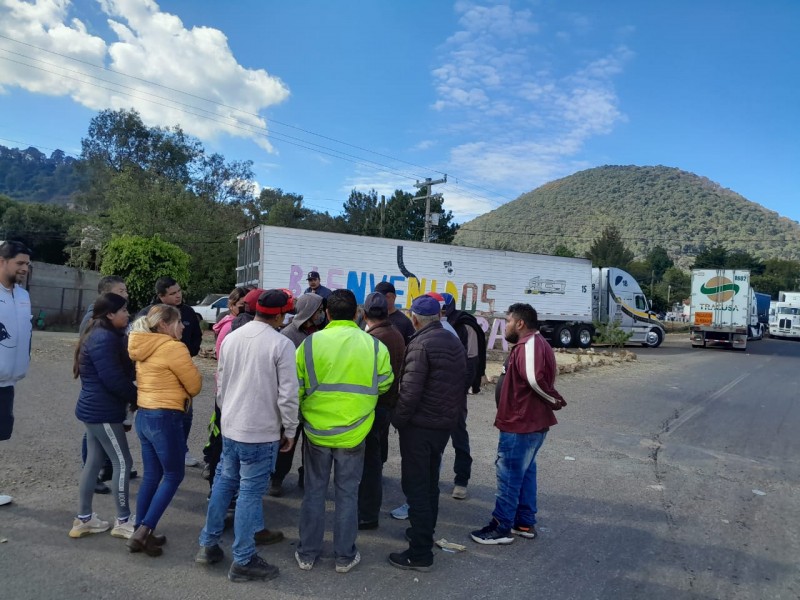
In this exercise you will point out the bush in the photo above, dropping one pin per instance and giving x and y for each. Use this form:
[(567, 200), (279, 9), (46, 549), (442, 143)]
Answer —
[(140, 261), (610, 334)]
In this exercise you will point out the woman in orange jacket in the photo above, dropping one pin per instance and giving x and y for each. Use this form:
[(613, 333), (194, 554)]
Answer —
[(167, 380)]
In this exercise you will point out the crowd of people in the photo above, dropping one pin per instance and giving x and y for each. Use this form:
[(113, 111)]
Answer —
[(316, 371)]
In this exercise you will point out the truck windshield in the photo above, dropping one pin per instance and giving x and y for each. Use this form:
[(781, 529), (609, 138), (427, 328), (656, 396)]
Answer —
[(788, 310)]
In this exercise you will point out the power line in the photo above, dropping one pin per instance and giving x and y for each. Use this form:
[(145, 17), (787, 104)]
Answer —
[(149, 82)]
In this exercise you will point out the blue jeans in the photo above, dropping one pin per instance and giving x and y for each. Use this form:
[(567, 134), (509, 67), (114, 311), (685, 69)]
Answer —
[(246, 468), (515, 502), (160, 432), (347, 463), (188, 417)]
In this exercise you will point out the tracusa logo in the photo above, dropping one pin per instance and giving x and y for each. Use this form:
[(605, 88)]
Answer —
[(719, 289)]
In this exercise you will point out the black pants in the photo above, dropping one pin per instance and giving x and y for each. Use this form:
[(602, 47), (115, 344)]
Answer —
[(212, 451), (462, 465), (6, 412), (283, 464), (421, 452), (370, 491)]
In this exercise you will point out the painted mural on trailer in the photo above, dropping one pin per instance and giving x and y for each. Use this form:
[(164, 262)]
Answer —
[(469, 295)]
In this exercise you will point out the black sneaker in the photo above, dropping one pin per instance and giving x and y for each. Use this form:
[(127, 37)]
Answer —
[(492, 535), (367, 525), (208, 555), (134, 474), (101, 488), (257, 569), (401, 560), (526, 531)]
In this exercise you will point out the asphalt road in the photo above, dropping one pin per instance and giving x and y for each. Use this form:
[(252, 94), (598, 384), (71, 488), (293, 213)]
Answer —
[(672, 477)]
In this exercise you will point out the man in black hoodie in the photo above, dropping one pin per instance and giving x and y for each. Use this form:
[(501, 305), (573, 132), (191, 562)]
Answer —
[(168, 291)]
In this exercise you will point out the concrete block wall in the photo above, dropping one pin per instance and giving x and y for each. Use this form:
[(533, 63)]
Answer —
[(62, 292)]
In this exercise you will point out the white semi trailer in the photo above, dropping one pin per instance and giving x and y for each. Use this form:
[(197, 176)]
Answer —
[(723, 310), (566, 295)]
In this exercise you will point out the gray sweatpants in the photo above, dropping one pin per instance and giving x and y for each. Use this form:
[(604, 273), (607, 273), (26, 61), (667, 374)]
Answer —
[(111, 438)]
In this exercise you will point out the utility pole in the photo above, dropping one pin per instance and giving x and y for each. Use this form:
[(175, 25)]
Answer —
[(383, 209), (428, 183)]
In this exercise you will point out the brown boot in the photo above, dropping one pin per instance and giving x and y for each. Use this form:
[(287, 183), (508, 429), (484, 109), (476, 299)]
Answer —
[(158, 540), (142, 541)]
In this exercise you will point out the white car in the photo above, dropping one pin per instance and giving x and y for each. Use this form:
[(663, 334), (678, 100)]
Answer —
[(210, 311)]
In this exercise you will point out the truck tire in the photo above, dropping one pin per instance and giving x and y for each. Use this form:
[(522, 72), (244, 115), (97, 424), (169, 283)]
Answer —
[(563, 336), (654, 338), (583, 336)]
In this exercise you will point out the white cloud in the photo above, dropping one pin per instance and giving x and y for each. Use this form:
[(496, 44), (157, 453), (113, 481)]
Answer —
[(150, 45), (518, 105)]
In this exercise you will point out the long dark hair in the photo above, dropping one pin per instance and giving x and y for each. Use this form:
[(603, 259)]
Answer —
[(105, 304)]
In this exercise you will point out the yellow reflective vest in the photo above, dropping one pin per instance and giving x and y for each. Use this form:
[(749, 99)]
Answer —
[(342, 370)]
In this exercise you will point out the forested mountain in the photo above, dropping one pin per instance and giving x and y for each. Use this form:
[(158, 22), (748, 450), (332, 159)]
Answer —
[(31, 176), (651, 206)]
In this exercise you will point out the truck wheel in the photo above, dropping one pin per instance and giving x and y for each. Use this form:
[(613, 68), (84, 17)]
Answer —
[(563, 336), (654, 338), (583, 336)]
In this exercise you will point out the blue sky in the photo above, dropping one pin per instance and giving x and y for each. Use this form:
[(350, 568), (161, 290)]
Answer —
[(325, 96)]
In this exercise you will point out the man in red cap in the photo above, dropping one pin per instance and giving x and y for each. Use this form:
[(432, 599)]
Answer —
[(257, 395)]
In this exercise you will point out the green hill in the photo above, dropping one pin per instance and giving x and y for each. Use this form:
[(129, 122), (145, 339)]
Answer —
[(651, 206)]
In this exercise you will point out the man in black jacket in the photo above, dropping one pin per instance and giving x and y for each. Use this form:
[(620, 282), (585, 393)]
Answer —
[(474, 342), (428, 407), (168, 291)]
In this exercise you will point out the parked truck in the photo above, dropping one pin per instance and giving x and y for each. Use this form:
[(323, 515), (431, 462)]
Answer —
[(723, 309), (785, 320), (484, 282)]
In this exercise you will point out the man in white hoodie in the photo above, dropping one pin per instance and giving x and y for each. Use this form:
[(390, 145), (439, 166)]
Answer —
[(257, 394), (15, 332)]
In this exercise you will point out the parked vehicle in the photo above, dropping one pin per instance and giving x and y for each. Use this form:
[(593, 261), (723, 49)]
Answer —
[(790, 297), (785, 321), (763, 302), (484, 282), (723, 309), (211, 310), (618, 298)]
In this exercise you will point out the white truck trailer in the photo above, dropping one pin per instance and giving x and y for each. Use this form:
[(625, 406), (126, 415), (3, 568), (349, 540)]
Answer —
[(723, 309), (484, 282)]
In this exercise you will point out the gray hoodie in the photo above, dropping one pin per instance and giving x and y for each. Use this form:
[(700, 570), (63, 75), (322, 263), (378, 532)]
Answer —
[(305, 305)]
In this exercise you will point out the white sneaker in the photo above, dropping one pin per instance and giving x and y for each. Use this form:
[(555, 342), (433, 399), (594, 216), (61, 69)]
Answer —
[(460, 492), (400, 513), (306, 566), (346, 568), (190, 461), (124, 530), (93, 525), (5, 499)]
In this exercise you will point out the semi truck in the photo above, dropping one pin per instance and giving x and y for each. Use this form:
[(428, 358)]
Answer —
[(566, 293), (723, 309), (785, 320)]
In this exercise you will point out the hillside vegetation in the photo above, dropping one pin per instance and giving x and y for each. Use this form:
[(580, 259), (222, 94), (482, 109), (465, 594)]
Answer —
[(651, 206)]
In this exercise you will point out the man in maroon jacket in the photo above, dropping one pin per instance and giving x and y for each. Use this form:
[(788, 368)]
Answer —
[(526, 399)]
